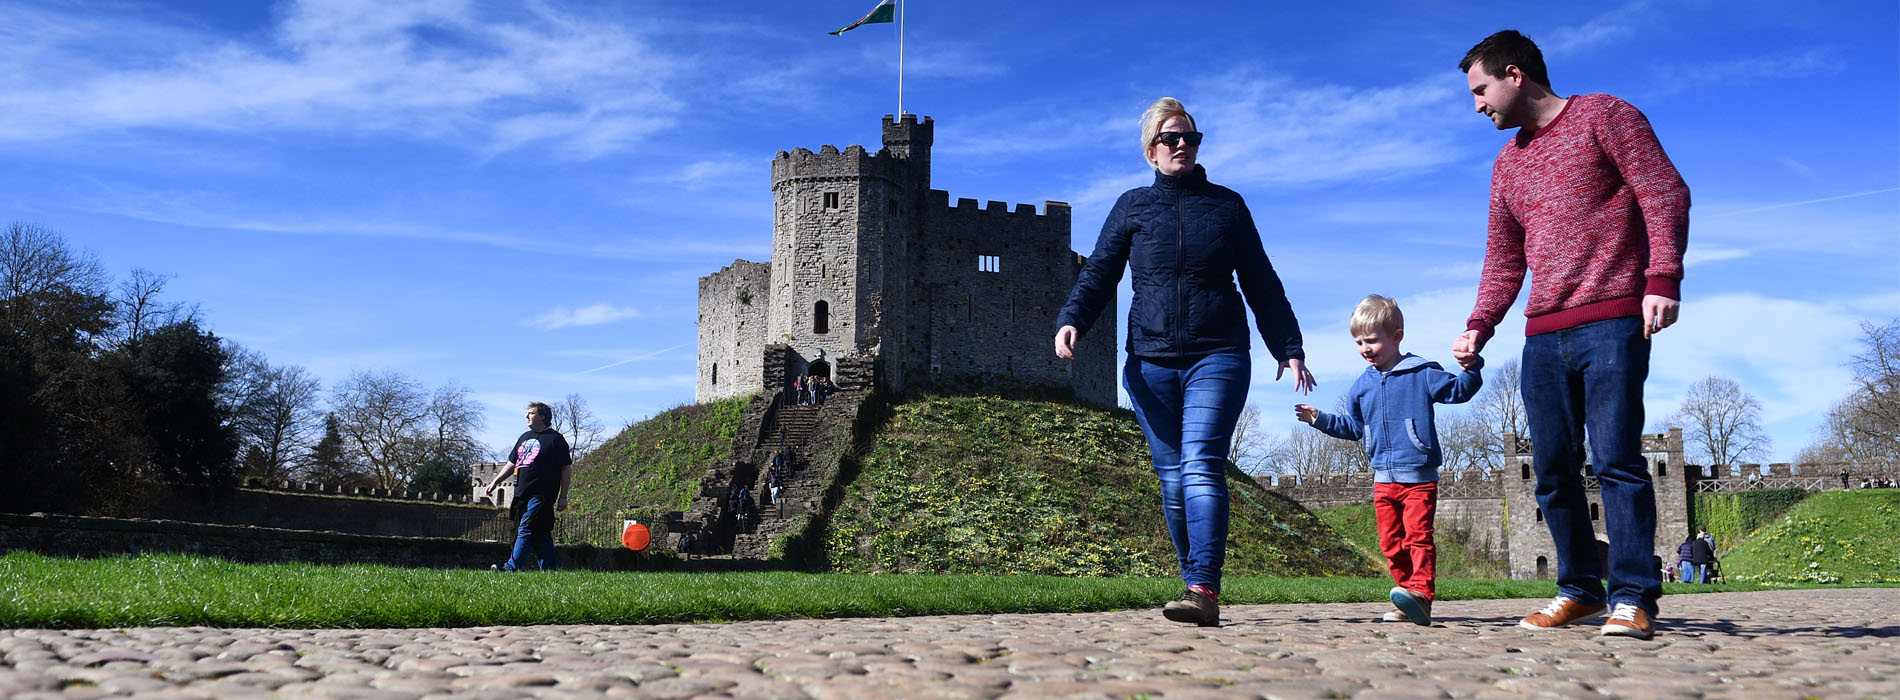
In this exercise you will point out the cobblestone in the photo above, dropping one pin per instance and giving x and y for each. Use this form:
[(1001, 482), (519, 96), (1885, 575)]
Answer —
[(1841, 643)]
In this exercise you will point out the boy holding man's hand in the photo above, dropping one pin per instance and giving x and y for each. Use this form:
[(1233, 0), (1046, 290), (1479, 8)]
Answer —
[(1389, 408)]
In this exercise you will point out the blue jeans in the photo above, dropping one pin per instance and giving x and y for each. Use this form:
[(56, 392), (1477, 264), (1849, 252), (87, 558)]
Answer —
[(1188, 408), (537, 531), (1588, 381)]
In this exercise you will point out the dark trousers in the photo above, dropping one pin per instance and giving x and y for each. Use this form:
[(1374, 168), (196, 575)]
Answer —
[(1583, 382)]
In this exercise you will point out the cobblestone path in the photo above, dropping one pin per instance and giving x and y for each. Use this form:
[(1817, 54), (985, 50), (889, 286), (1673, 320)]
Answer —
[(1783, 644)]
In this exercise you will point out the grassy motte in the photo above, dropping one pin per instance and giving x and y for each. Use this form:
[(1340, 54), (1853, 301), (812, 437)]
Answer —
[(1455, 558), (1831, 537), (1732, 517), (181, 590), (989, 485), (655, 466)]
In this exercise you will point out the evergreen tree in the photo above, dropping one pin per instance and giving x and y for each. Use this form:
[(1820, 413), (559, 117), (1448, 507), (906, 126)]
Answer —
[(327, 463)]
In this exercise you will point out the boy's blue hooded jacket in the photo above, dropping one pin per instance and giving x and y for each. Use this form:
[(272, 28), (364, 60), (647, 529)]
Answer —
[(1391, 414)]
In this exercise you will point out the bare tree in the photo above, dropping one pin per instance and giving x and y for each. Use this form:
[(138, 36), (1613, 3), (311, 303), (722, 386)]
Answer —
[(384, 418), (1875, 404), (454, 418), (1464, 441), (1309, 452), (139, 308), (273, 410), (1720, 421), (50, 293), (1500, 408), (576, 422)]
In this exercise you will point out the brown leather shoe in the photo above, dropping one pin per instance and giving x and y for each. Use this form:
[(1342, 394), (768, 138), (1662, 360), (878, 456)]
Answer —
[(1395, 615), (1194, 607), (1628, 621), (1561, 612)]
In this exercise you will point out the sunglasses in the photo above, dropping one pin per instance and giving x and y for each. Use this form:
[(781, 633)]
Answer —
[(1174, 138)]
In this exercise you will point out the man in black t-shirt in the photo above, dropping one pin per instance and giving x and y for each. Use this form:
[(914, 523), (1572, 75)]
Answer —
[(541, 465)]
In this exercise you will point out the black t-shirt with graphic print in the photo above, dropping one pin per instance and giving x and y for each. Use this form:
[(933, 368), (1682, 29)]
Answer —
[(538, 458)]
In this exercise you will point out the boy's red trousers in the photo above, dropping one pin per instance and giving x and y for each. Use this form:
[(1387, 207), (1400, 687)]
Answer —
[(1405, 513)]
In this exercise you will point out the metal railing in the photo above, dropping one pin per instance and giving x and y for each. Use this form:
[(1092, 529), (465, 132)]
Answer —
[(598, 531), (1805, 483)]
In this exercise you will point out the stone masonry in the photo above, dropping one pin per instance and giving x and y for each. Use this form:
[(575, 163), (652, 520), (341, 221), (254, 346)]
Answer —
[(871, 264), (1499, 511)]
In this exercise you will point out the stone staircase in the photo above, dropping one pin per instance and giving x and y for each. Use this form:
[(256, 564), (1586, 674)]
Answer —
[(770, 421)]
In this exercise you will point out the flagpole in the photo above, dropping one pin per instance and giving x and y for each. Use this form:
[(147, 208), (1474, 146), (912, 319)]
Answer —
[(900, 60)]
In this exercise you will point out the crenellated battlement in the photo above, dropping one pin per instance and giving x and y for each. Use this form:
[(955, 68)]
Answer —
[(831, 164), (998, 216)]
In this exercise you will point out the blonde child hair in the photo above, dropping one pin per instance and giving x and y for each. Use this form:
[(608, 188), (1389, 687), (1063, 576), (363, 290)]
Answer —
[(1379, 312)]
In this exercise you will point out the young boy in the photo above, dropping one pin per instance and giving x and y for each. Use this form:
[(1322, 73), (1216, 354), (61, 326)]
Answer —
[(1390, 409)]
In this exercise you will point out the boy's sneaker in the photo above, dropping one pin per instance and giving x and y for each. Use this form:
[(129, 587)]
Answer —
[(1197, 605), (1395, 615), (1417, 607), (1629, 621), (1560, 612)]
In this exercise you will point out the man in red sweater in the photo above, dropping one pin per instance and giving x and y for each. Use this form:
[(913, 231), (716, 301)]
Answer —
[(1584, 198)]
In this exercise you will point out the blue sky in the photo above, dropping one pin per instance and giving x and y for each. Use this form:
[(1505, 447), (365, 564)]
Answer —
[(519, 197)]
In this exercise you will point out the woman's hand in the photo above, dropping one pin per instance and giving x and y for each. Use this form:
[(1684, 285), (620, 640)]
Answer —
[(1065, 342), (1302, 379)]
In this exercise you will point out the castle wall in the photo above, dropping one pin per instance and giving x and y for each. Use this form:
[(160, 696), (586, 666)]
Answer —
[(989, 285), (732, 328)]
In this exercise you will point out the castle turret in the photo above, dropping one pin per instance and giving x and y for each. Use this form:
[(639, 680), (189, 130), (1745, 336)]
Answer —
[(909, 139)]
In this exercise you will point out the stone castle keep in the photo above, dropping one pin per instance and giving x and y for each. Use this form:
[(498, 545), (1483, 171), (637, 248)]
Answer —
[(875, 274)]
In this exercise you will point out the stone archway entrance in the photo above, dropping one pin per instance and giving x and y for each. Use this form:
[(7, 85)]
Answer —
[(819, 368)]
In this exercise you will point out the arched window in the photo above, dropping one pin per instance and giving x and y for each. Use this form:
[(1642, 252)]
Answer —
[(1540, 515), (1543, 567), (1662, 467), (715, 373), (821, 318), (1526, 468), (1596, 512)]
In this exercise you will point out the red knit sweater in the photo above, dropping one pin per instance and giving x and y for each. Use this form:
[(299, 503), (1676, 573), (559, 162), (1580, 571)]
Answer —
[(1593, 208)]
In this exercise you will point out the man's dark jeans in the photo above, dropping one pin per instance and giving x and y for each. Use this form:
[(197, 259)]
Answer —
[(537, 532), (1588, 381)]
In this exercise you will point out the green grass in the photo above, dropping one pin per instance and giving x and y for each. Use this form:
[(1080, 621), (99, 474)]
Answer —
[(654, 466), (1732, 517), (1455, 558), (1832, 537), (181, 590), (990, 485)]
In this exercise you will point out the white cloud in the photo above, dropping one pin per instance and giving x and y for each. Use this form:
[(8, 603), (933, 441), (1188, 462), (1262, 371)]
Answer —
[(724, 172), (1786, 64), (1609, 27), (597, 314), (445, 71), (1697, 255)]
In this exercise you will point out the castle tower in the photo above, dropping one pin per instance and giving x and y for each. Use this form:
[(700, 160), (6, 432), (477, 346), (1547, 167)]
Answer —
[(1534, 556), (869, 265), (835, 215)]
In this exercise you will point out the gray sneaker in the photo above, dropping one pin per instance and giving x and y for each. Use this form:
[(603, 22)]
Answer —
[(1193, 607)]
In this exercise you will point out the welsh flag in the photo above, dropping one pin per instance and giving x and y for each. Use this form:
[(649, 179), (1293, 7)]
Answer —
[(884, 13)]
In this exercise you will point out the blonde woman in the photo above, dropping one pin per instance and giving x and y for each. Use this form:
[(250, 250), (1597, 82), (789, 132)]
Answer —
[(1187, 241)]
